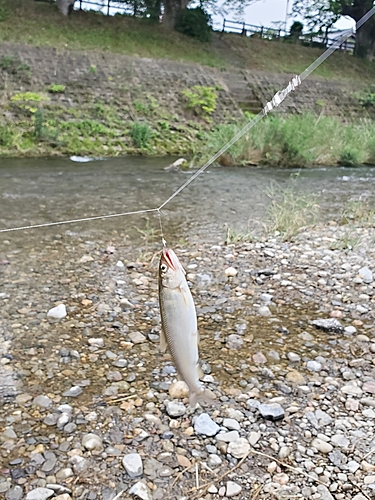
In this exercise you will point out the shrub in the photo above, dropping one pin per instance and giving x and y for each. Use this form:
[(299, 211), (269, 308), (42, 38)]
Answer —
[(202, 100), (6, 136), (349, 158), (195, 23), (39, 124), (55, 88), (141, 134)]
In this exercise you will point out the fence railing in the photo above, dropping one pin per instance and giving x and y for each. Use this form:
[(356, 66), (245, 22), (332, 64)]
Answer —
[(313, 39)]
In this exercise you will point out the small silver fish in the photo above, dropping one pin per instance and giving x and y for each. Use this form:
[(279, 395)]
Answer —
[(179, 325)]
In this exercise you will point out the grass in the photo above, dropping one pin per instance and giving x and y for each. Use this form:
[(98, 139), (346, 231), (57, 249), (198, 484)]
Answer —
[(290, 211), (358, 212), (40, 24), (296, 141)]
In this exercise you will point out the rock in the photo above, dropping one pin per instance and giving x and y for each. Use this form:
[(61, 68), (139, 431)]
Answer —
[(63, 496), (205, 425), (227, 437), (183, 461), (212, 489), (239, 448), (264, 311), (99, 342), (8, 434), (350, 330), (340, 441), (141, 491), (234, 341), (324, 492), (232, 489), (329, 325), (284, 452), (137, 337), (254, 437), (40, 494), (352, 389), (259, 358), (58, 312), (92, 442), (43, 401), (272, 411), (352, 466), (366, 274), (369, 386), (231, 272), (322, 446), (313, 366), (214, 460), (133, 464), (179, 390), (73, 392), (15, 493), (175, 165), (295, 377), (231, 423), (175, 409), (293, 357)]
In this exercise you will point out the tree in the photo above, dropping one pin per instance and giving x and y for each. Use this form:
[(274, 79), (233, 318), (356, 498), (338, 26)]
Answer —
[(65, 6), (322, 14)]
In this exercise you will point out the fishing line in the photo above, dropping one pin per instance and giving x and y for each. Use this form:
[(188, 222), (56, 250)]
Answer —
[(277, 99), (161, 229)]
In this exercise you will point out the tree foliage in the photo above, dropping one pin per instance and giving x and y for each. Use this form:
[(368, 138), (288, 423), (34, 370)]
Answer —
[(195, 23), (319, 15)]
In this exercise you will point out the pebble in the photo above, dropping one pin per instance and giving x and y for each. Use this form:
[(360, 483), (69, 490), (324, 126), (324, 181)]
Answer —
[(322, 446), (141, 491), (15, 493), (132, 463), (293, 357), (254, 437), (137, 337), (40, 494), (230, 272), (43, 401), (92, 442), (175, 409), (272, 411), (227, 437), (239, 448), (179, 390), (264, 311), (73, 392), (314, 366), (329, 325), (58, 312), (231, 423), (205, 425), (366, 274), (232, 489)]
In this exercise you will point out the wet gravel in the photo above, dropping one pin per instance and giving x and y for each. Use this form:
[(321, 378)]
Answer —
[(287, 346)]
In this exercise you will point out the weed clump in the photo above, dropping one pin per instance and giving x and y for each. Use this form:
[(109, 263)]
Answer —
[(202, 100), (141, 135)]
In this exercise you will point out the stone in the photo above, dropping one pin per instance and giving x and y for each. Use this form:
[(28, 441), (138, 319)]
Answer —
[(15, 493), (254, 437), (329, 325), (227, 437), (132, 463), (8, 434), (179, 390), (340, 441), (366, 274), (284, 452), (212, 489), (92, 442), (63, 496), (230, 272), (350, 330), (137, 337), (313, 366), (98, 342), (352, 389), (264, 311), (232, 489), (232, 424), (293, 357), (214, 460), (295, 377), (42, 401), (259, 358), (40, 494), (73, 392), (272, 411), (205, 425), (369, 386), (322, 446), (234, 341), (175, 409), (352, 466), (324, 492), (58, 312), (239, 448), (141, 491)]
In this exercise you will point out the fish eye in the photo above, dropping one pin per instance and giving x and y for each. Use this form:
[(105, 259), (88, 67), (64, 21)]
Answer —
[(163, 268)]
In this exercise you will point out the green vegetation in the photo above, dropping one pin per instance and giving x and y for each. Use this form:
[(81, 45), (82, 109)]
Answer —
[(195, 23), (359, 212), (141, 134), (296, 140), (202, 100), (55, 88), (290, 211)]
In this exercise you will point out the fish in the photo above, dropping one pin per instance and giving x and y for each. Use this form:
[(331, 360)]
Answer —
[(179, 325)]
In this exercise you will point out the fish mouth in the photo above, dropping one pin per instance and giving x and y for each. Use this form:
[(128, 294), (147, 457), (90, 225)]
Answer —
[(168, 255)]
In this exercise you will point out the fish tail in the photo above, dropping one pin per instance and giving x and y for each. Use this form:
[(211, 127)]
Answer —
[(204, 396)]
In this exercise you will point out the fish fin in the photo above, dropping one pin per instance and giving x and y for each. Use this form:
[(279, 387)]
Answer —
[(206, 397), (163, 341), (184, 297)]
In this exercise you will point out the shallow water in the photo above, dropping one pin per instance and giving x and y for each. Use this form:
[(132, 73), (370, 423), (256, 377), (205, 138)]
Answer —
[(34, 191)]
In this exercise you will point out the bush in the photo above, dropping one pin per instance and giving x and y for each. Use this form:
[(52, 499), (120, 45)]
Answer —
[(201, 99), (195, 23), (141, 134), (56, 88), (6, 136)]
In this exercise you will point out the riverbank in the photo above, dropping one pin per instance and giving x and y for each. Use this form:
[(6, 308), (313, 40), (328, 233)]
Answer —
[(90, 411)]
